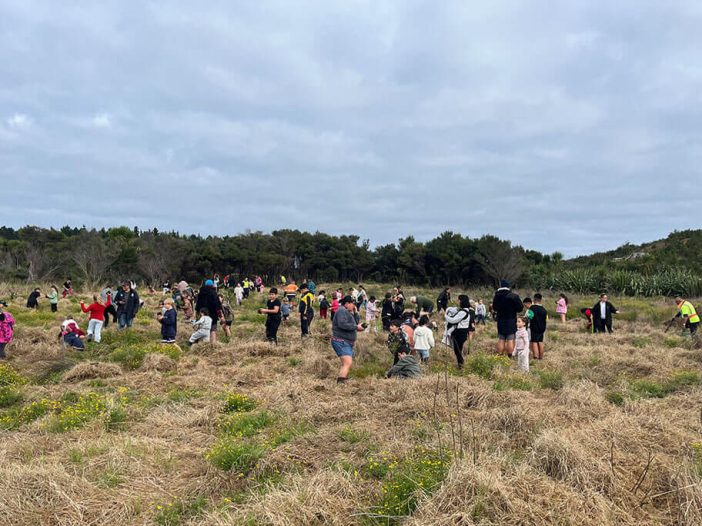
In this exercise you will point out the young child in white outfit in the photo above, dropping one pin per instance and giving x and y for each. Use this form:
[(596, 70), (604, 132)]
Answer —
[(423, 338), (202, 327), (371, 315), (521, 345)]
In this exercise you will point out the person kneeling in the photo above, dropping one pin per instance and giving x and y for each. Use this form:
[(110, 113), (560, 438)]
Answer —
[(202, 327), (71, 335), (407, 366)]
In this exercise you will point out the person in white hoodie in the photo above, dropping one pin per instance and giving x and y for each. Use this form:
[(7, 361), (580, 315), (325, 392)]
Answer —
[(423, 339), (239, 293), (521, 344), (202, 326)]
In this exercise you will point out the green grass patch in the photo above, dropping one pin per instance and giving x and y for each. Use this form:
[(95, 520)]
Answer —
[(353, 436), (245, 424), (132, 356), (405, 481), (176, 512), (9, 396), (16, 417), (228, 454), (485, 365), (294, 362), (641, 342), (615, 397), (672, 342), (9, 377), (179, 395), (34, 318), (514, 382), (77, 414), (551, 379), (238, 403)]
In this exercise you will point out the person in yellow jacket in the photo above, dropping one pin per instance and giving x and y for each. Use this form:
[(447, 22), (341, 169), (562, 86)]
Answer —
[(687, 311)]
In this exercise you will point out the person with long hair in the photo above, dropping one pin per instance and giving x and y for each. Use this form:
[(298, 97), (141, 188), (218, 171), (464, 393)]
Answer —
[(460, 321), (562, 306)]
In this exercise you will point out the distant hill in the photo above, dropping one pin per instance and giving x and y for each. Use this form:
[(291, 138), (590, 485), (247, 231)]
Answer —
[(681, 249)]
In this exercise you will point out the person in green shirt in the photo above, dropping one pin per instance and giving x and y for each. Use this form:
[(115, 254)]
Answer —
[(53, 297), (424, 305), (687, 311)]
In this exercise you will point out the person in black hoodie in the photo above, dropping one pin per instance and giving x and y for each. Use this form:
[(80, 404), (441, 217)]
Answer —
[(33, 300), (127, 301), (209, 299), (506, 305), (443, 300), (387, 312), (602, 314)]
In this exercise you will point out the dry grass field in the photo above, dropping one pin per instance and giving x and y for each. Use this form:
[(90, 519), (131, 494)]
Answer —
[(605, 430)]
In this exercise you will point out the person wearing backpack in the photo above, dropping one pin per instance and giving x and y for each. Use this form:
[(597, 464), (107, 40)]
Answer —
[(460, 321), (323, 305)]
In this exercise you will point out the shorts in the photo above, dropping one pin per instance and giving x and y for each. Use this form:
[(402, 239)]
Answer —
[(291, 297), (507, 329), (214, 324), (342, 348), (537, 337)]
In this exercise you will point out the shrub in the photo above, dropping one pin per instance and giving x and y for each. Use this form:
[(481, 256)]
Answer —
[(9, 396), (551, 379), (230, 454), (246, 424), (238, 403), (484, 365), (9, 377)]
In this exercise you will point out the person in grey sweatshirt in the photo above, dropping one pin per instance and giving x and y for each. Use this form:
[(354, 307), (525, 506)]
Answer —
[(345, 327), (407, 366)]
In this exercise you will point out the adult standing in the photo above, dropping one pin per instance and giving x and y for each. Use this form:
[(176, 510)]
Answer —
[(562, 306), (345, 327), (687, 311), (506, 305), (209, 299), (460, 321), (127, 301), (7, 328), (602, 314)]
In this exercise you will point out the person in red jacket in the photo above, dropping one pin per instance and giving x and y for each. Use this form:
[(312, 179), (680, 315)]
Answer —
[(97, 316), (71, 335)]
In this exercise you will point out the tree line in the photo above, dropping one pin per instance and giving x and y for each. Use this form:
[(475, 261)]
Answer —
[(93, 257)]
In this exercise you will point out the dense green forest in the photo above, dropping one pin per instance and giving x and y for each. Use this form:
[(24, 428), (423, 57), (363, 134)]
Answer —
[(92, 256)]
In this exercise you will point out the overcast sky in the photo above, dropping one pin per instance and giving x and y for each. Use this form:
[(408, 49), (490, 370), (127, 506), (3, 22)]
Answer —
[(572, 126)]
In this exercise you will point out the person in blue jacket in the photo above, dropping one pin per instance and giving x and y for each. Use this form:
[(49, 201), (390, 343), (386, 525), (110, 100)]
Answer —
[(169, 322)]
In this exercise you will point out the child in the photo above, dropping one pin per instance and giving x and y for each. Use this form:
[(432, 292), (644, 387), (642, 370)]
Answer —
[(239, 293), (228, 318), (7, 328), (521, 345), (423, 338), (97, 316), (585, 311), (202, 327), (480, 313), (285, 310), (323, 304), (371, 315), (72, 335), (397, 341), (334, 304), (33, 300), (187, 306), (169, 322), (272, 311), (562, 306), (67, 287), (53, 296), (537, 327)]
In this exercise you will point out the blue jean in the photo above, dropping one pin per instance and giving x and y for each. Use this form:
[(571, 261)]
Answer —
[(72, 340), (124, 321), (342, 348)]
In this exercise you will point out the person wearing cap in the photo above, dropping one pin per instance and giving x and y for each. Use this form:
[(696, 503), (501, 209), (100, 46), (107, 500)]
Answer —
[(127, 301), (345, 327), (506, 305), (209, 299), (7, 328), (687, 312), (305, 309)]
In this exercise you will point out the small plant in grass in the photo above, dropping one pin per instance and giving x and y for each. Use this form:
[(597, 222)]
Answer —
[(228, 453), (673, 341), (551, 379), (9, 377), (28, 413), (183, 395), (485, 365), (516, 382), (73, 416), (245, 424), (405, 481), (238, 403), (173, 513), (116, 419), (130, 357), (615, 397), (294, 362), (353, 436), (288, 433), (9, 396), (641, 342)]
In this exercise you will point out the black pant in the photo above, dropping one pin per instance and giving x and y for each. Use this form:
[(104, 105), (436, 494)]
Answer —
[(692, 326), (306, 322), (272, 324), (54, 307), (602, 325), (110, 310), (386, 322), (458, 339)]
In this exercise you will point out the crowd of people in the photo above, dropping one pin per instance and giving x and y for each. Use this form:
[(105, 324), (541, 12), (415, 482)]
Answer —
[(410, 324)]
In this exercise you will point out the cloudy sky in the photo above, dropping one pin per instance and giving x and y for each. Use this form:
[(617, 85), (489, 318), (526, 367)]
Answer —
[(572, 127)]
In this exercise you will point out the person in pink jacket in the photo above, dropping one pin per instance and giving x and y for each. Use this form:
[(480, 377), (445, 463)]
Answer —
[(7, 328), (562, 306)]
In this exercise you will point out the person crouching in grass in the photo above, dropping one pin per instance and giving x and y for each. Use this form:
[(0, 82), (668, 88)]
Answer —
[(345, 327)]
